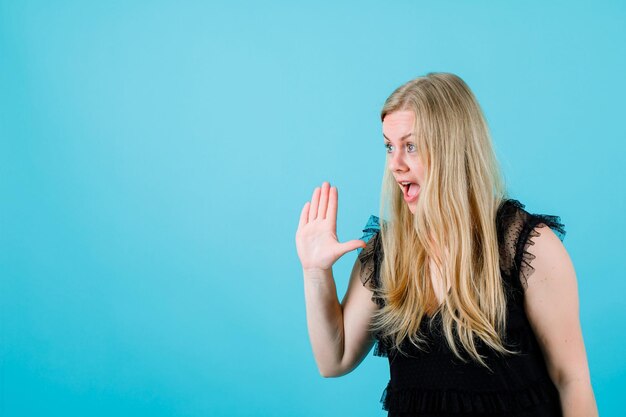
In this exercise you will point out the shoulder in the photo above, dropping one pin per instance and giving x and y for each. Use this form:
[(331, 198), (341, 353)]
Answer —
[(523, 236), (547, 256), (539, 244)]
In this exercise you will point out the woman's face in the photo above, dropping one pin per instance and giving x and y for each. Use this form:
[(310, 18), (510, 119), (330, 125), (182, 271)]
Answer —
[(402, 159)]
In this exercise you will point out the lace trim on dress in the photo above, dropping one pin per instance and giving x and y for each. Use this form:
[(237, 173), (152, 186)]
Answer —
[(531, 222), (420, 400), (370, 229), (371, 257)]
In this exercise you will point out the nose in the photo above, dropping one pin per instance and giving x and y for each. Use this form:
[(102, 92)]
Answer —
[(396, 162)]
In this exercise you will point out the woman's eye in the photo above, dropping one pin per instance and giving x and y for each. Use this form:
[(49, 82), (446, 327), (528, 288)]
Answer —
[(410, 147)]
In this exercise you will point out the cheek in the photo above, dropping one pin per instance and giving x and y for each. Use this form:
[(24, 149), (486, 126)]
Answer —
[(417, 166), (420, 168)]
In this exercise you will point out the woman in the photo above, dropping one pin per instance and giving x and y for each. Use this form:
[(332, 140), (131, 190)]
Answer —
[(443, 286)]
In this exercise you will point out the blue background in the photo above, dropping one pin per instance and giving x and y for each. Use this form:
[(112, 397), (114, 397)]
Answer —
[(155, 156)]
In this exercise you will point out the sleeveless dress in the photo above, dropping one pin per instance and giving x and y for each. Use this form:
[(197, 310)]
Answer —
[(434, 382)]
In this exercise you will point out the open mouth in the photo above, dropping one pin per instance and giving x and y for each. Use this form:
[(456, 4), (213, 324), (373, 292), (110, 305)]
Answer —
[(410, 190)]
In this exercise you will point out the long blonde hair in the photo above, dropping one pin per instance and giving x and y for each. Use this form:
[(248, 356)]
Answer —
[(453, 225)]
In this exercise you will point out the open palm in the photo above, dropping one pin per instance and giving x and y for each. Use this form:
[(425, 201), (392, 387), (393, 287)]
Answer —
[(316, 237)]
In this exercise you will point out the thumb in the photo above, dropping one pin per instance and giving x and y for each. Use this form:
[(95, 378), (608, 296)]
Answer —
[(352, 245)]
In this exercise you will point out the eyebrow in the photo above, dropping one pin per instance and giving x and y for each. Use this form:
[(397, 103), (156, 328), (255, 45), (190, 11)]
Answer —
[(401, 139)]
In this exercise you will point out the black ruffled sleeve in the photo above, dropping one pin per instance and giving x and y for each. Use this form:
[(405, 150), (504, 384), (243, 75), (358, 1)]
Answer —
[(528, 223), (371, 258)]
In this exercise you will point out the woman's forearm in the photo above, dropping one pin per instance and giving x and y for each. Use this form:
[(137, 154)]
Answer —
[(324, 320), (577, 399)]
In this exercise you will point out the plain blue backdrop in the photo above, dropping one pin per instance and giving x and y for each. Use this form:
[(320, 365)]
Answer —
[(155, 156)]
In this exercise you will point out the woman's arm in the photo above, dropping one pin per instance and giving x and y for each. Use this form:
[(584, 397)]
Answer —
[(339, 333), (551, 304)]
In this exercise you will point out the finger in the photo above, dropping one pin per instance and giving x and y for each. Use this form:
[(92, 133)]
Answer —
[(331, 214), (315, 199), (321, 211), (304, 215), (352, 245)]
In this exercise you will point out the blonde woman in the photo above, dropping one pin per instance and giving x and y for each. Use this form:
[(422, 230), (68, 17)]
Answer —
[(472, 299)]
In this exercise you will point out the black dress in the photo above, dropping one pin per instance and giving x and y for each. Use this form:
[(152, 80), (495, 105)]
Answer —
[(435, 382)]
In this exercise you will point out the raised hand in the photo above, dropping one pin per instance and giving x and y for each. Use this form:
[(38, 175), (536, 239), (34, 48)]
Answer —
[(316, 237)]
